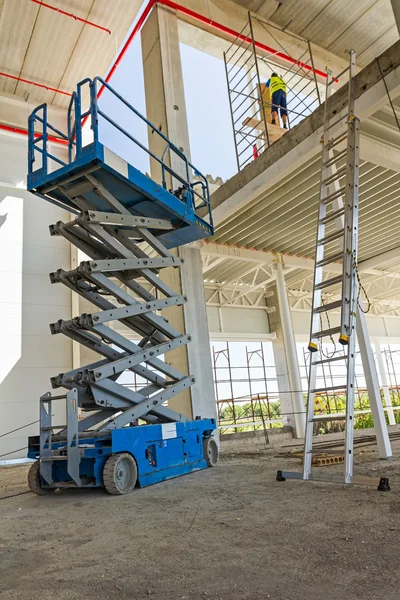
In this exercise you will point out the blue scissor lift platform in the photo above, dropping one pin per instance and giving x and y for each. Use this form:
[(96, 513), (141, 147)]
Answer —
[(126, 224)]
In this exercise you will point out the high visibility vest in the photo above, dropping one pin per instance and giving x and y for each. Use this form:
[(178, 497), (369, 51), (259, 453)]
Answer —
[(319, 405), (276, 84)]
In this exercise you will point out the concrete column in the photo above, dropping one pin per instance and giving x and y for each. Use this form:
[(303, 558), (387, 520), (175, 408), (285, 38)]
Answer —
[(282, 376), (165, 107), (163, 81), (290, 352), (385, 387), (374, 393), (396, 12)]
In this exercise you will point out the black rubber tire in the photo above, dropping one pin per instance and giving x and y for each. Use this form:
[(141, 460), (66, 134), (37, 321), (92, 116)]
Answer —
[(211, 452), (114, 479), (34, 481)]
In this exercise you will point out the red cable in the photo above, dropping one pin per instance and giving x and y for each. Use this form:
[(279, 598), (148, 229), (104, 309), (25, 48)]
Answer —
[(41, 85), (51, 138), (62, 12)]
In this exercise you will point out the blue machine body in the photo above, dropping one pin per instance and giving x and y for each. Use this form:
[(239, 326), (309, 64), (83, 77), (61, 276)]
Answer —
[(160, 451)]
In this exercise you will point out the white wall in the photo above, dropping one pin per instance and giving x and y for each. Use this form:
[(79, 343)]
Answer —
[(29, 355), (237, 321), (384, 328)]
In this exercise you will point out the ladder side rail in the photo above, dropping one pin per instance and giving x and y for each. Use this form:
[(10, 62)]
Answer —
[(319, 254)]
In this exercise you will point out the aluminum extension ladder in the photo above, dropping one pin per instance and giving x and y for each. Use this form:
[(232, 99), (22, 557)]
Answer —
[(336, 243), (123, 281)]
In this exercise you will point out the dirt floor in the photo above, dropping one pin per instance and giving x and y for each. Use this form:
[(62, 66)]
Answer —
[(231, 532)]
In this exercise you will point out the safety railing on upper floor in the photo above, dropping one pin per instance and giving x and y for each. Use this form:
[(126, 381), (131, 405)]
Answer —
[(192, 186), (248, 65)]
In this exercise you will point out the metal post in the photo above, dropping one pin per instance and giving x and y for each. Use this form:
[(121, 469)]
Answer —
[(230, 108), (258, 78), (290, 352), (385, 387), (313, 68)]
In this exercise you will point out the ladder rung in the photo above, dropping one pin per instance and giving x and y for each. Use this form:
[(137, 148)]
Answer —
[(51, 458), (331, 237), (339, 173), (325, 332), (332, 216), (334, 159), (335, 122), (323, 418), (334, 195), (337, 140), (53, 427), (329, 259), (329, 389), (327, 307), (328, 282), (329, 360)]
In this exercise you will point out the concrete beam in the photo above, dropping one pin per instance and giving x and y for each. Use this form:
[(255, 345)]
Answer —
[(298, 262), (235, 17), (380, 259), (379, 153), (14, 112), (302, 142)]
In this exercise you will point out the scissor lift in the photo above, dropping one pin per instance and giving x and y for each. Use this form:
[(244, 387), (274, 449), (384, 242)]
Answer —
[(126, 224)]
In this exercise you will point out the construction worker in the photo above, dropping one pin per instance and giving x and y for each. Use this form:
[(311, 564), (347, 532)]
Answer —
[(319, 409), (277, 89)]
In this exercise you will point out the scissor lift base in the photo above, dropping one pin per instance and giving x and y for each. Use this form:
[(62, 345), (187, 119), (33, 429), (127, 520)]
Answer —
[(159, 451)]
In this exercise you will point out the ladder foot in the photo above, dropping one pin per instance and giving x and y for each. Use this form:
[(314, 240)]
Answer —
[(384, 485), (279, 476)]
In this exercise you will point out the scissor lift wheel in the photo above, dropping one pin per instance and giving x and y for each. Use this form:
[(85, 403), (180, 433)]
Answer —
[(35, 482), (210, 452), (120, 474)]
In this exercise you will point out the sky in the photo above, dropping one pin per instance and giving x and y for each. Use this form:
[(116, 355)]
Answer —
[(207, 104)]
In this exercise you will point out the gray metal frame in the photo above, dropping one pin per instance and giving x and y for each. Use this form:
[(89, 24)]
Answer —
[(122, 280)]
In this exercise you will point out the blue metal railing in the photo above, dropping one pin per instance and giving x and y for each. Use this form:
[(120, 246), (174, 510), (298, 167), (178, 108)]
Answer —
[(194, 192)]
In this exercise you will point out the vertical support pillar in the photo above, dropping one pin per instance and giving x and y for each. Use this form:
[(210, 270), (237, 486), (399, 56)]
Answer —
[(290, 352), (163, 82), (282, 376), (166, 108), (374, 393), (385, 387), (396, 12)]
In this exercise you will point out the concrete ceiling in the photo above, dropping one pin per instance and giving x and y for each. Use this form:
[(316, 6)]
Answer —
[(52, 49), (367, 26)]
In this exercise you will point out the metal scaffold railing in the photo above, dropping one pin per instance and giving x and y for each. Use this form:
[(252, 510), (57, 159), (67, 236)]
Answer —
[(248, 66)]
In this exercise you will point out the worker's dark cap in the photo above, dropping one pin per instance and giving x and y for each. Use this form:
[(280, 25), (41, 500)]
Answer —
[(274, 74)]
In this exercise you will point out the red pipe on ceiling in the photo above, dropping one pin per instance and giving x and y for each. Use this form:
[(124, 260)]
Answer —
[(40, 85), (51, 138), (62, 12)]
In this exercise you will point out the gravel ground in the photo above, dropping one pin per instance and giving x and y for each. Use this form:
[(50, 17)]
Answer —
[(227, 533)]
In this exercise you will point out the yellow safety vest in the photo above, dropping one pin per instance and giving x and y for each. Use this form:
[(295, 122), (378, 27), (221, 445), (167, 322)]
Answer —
[(276, 84), (319, 405)]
